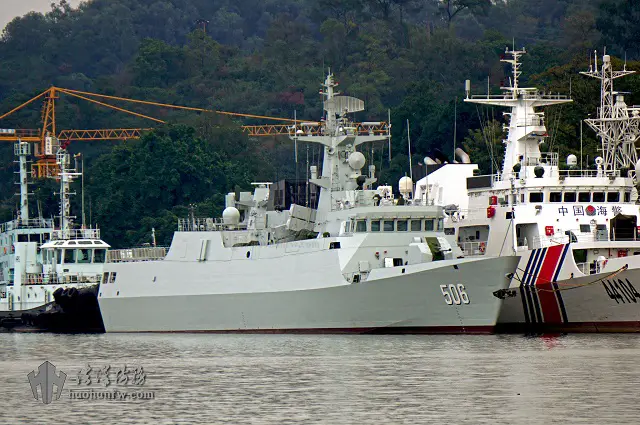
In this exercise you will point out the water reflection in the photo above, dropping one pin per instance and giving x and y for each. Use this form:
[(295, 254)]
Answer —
[(335, 379)]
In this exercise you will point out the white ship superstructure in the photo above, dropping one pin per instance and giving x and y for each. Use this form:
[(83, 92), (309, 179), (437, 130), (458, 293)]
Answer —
[(575, 227), (36, 258), (360, 262)]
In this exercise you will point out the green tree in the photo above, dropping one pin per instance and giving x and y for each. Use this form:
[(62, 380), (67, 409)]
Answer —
[(619, 23), (485, 147), (147, 179), (451, 8)]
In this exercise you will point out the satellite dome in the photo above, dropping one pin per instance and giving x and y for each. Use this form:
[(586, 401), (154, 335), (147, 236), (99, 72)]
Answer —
[(231, 215), (538, 171), (356, 160), (572, 160), (405, 185)]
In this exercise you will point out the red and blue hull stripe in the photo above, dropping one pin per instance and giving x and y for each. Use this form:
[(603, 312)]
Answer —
[(541, 299)]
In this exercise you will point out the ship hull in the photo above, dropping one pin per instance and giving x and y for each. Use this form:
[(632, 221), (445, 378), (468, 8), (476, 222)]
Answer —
[(549, 294), (404, 299)]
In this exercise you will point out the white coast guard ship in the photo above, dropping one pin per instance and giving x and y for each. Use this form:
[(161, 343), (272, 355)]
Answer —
[(359, 263), (575, 229), (37, 259)]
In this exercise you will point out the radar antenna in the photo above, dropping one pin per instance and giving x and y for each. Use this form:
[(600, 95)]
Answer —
[(616, 125)]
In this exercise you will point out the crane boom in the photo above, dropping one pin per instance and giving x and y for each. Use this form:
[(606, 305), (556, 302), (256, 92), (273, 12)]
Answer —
[(48, 137)]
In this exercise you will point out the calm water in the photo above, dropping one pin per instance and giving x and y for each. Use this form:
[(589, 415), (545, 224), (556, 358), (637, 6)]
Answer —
[(253, 379)]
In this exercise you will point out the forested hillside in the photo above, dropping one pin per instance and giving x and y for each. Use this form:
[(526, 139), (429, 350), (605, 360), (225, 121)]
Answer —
[(268, 57)]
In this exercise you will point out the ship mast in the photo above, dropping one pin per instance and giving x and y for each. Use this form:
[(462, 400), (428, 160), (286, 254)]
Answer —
[(66, 176), (341, 164), (526, 126), (22, 150), (618, 131)]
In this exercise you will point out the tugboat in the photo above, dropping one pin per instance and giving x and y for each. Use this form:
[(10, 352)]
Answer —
[(50, 276), (362, 262), (575, 229)]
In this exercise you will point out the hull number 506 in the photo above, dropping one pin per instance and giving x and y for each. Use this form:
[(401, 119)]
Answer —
[(455, 294)]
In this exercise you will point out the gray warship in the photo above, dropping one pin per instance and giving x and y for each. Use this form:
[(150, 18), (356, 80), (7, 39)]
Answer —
[(360, 262)]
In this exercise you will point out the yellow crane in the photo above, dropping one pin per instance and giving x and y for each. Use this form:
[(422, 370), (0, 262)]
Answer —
[(47, 137)]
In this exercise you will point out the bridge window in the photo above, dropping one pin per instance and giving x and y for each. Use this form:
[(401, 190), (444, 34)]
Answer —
[(388, 225), (555, 197), (402, 225), (69, 256), (585, 228), (584, 197), (375, 225), (440, 224), (536, 197), (361, 226), (569, 197), (613, 196), (428, 225), (416, 225), (627, 197), (83, 256), (598, 196), (100, 256)]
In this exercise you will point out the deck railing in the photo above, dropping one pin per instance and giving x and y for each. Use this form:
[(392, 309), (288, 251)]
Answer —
[(523, 94), (206, 225), (546, 241), (562, 174), (59, 279), (473, 248), (585, 268), (136, 254), (76, 234), (34, 223)]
